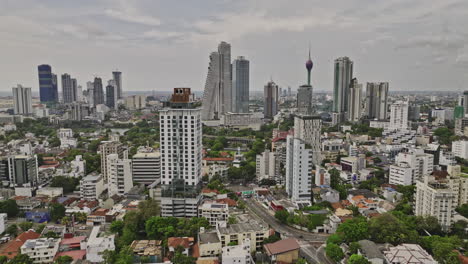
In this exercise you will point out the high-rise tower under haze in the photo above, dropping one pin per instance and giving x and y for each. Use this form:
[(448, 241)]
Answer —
[(342, 79), (270, 94), (377, 100), (98, 91), (47, 84), (355, 101), (217, 97), (240, 85), (69, 88), (117, 77)]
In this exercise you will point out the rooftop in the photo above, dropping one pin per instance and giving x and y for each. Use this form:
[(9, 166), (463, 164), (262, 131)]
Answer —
[(242, 228), (281, 246), (41, 242), (408, 253), (208, 238)]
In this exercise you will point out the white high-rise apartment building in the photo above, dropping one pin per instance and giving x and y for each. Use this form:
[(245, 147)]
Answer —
[(181, 155), (217, 97), (460, 149), (298, 169), (309, 129), (399, 116), (107, 148), (240, 85), (91, 187), (119, 174), (146, 167), (22, 100), (181, 141), (436, 197), (266, 165), (401, 174), (421, 163), (355, 101)]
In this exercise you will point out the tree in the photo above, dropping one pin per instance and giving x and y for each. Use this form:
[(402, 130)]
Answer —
[(21, 259), (302, 261), (67, 183), (354, 229), (39, 228), (3, 259), (9, 207), (117, 227), (63, 260), (354, 247), (125, 256), (334, 252), (51, 234), (358, 259), (271, 239), (12, 230), (335, 239), (57, 211), (109, 256), (282, 216), (460, 228), (387, 228), (25, 226), (148, 209), (463, 210)]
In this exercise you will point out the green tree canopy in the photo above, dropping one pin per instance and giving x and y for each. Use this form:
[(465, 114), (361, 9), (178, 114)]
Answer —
[(354, 229), (334, 252), (57, 211), (358, 259)]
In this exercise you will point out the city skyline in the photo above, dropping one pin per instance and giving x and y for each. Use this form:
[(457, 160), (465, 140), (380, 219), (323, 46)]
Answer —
[(399, 46)]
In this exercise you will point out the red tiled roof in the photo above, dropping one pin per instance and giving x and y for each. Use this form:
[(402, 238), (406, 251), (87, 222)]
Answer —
[(73, 240), (336, 205), (281, 246), (179, 241), (100, 212), (207, 190), (13, 247), (75, 254), (230, 202)]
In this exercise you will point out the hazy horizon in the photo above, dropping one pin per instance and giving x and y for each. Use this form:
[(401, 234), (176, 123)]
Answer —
[(414, 45)]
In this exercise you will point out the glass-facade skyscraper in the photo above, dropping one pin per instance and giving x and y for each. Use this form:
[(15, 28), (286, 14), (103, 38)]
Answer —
[(47, 84), (240, 85)]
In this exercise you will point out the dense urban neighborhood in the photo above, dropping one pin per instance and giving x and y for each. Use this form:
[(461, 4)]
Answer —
[(98, 174)]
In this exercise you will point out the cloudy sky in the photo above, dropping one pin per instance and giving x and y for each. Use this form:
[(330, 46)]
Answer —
[(158, 45)]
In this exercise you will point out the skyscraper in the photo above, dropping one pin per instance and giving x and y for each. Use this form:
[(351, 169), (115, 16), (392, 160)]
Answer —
[(217, 97), (111, 95), (69, 88), (117, 77), (240, 85), (98, 95), (22, 100), (47, 84), (270, 93), (355, 101), (181, 155), (376, 100), (342, 80)]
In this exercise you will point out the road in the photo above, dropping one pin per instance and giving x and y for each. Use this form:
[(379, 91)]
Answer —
[(305, 239)]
